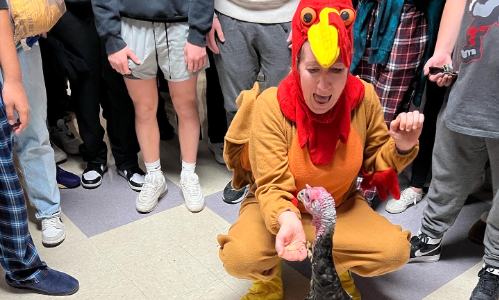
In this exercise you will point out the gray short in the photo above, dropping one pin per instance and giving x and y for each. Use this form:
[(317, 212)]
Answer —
[(157, 44)]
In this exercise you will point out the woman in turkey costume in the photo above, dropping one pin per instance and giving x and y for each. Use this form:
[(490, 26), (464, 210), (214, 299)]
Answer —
[(321, 126)]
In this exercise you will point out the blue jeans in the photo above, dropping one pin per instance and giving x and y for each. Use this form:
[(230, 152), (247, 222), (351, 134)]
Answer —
[(36, 156)]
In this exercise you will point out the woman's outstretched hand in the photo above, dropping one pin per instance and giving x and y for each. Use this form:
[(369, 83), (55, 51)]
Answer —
[(406, 129), (290, 240)]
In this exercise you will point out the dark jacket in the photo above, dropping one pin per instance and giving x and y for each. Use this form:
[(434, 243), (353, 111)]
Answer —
[(198, 13)]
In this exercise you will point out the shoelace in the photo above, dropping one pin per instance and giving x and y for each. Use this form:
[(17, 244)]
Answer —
[(191, 185), (407, 200), (488, 283), (148, 190), (50, 222)]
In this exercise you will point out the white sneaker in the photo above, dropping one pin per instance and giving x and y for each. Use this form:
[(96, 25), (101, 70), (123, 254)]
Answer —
[(62, 136), (59, 155), (407, 198), (218, 150), (193, 195), (154, 187), (53, 231)]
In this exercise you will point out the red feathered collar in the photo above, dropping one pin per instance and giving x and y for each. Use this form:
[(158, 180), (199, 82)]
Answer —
[(320, 131)]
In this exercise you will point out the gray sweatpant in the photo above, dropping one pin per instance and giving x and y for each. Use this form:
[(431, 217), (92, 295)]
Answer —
[(249, 48), (458, 161)]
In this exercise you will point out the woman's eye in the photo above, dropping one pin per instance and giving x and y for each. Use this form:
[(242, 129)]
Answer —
[(312, 71), (336, 70)]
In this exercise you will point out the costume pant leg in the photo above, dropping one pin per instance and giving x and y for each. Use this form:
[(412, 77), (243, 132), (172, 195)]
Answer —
[(237, 63), (458, 160), (18, 255)]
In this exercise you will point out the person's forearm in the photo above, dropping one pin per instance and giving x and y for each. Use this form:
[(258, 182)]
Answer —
[(450, 25), (8, 54)]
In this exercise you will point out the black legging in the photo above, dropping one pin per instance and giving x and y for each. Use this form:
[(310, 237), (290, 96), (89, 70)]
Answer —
[(101, 86), (422, 164)]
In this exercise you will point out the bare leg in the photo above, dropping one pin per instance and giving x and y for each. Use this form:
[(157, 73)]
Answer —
[(144, 94), (184, 98)]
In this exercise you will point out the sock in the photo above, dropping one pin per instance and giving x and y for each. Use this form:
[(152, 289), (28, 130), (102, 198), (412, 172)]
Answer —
[(187, 167), (154, 168)]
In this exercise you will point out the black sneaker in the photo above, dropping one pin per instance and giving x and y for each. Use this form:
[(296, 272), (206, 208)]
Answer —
[(425, 248), (488, 285), (135, 177), (233, 196), (92, 176)]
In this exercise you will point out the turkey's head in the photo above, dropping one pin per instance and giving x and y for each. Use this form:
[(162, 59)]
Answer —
[(320, 204)]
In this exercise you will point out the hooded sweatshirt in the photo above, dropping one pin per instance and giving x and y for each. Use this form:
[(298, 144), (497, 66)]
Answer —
[(258, 11), (198, 13)]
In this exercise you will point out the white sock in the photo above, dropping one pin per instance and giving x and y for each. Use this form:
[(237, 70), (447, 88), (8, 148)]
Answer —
[(187, 167), (154, 168)]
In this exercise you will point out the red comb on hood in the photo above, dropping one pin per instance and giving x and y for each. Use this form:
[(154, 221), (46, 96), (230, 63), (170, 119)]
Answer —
[(321, 132)]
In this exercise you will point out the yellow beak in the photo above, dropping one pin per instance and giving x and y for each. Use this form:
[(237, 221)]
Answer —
[(323, 39)]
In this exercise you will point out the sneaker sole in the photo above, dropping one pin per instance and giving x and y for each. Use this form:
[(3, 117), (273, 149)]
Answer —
[(91, 185), (397, 211), (135, 188), (148, 210), (237, 200), (54, 243), (45, 293), (195, 209), (425, 259)]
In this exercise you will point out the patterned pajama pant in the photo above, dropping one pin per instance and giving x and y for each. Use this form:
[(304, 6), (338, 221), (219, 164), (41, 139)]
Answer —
[(395, 81), (18, 255)]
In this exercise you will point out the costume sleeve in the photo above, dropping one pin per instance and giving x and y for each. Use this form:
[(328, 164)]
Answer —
[(108, 24), (380, 153), (268, 153), (200, 21)]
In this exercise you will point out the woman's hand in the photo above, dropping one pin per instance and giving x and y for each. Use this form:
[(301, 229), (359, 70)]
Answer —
[(439, 59), (406, 129), (290, 240)]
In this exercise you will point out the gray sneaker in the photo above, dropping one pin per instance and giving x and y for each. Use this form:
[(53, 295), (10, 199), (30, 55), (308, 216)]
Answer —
[(154, 187), (218, 150), (53, 231)]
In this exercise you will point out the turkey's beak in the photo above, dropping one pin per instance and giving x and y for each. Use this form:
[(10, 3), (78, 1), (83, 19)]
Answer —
[(323, 37)]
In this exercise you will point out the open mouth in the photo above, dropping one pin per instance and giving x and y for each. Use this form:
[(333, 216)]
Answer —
[(322, 99)]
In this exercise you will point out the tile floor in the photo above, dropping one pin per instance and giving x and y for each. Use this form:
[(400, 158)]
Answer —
[(171, 254)]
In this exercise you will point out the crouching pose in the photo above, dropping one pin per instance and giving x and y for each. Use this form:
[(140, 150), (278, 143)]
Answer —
[(320, 127)]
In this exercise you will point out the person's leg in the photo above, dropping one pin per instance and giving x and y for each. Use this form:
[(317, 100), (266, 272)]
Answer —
[(217, 120), (237, 56), (275, 55), (421, 165), (171, 40), (450, 186), (74, 30), (487, 287), (36, 157)]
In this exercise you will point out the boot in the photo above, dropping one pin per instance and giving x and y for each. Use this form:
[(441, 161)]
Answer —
[(267, 290), (349, 286)]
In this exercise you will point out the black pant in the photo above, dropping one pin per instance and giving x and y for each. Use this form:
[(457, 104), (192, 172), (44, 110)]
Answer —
[(422, 164), (217, 120), (101, 85)]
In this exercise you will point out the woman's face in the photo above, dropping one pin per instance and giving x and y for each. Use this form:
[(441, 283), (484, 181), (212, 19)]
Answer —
[(321, 86)]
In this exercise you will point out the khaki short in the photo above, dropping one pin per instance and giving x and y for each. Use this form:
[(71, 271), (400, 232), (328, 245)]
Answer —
[(157, 44)]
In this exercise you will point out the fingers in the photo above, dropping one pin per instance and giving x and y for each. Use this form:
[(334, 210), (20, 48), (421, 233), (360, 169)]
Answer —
[(279, 244), (220, 34), (395, 124), (9, 110), (132, 56), (408, 121), (403, 121), (23, 119)]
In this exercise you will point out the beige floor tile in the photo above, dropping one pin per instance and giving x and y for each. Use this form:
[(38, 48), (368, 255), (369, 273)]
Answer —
[(205, 249), (116, 286), (213, 291), (73, 234), (239, 286), (134, 242), (459, 288), (182, 226), (8, 293), (169, 275), (82, 260)]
